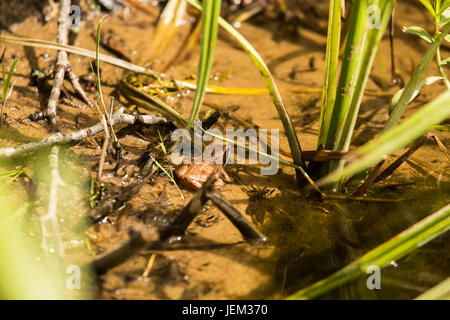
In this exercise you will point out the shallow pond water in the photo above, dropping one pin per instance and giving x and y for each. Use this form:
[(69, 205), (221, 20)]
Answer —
[(308, 239)]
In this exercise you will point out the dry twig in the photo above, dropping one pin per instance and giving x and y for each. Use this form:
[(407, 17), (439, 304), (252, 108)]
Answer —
[(63, 67), (58, 138)]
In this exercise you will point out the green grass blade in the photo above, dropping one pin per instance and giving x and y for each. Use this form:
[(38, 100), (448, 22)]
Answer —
[(390, 141), (396, 248), (427, 4), (438, 292), (373, 39), (444, 7), (7, 81), (169, 175), (209, 35), (97, 59), (351, 63), (271, 86), (415, 81), (331, 65), (362, 43)]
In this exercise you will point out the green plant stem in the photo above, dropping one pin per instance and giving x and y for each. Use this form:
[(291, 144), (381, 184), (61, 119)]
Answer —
[(210, 18), (398, 137), (351, 63), (415, 81), (438, 292), (361, 45), (392, 250), (331, 65), (441, 69)]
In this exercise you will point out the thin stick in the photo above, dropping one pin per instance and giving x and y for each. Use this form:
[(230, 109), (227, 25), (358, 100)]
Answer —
[(178, 227), (123, 252), (391, 42), (62, 62), (397, 163), (101, 163), (373, 174), (249, 233), (118, 118), (76, 85), (63, 67)]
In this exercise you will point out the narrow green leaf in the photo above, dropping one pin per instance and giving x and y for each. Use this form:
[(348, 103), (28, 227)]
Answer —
[(351, 63), (396, 248), (439, 292), (390, 141), (331, 65), (418, 31), (374, 36), (427, 4), (362, 43), (97, 58), (426, 82), (445, 61), (437, 5), (209, 34), (415, 81), (7, 81), (444, 8), (444, 14)]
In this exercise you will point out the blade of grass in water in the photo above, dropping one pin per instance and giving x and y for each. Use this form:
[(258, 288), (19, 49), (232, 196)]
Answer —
[(415, 82), (361, 45), (390, 141), (208, 43), (397, 247), (97, 73), (6, 81), (438, 292), (331, 65), (427, 4), (374, 151), (7, 78), (270, 83)]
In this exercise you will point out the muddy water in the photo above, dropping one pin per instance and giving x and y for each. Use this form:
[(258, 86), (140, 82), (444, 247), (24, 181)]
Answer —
[(308, 239)]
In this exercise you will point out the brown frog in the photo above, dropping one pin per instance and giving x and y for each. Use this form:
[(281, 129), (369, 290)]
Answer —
[(194, 175)]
